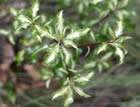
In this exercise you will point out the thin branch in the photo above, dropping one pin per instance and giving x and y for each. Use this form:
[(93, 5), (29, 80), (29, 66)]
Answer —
[(104, 18), (91, 44)]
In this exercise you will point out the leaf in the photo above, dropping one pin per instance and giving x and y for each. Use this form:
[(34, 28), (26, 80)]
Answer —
[(52, 54), (60, 92), (123, 3), (93, 36), (70, 43), (35, 8), (69, 99), (100, 67), (112, 33), (39, 49), (4, 32), (96, 1), (81, 92), (24, 19), (120, 53), (77, 34), (13, 11), (11, 39), (44, 32), (119, 29), (91, 64), (63, 70), (60, 22), (124, 38), (48, 83), (102, 47), (68, 55), (85, 77), (22, 26), (106, 56)]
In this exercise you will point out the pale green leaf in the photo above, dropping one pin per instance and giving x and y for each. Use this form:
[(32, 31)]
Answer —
[(119, 30), (67, 54), (93, 36), (96, 1), (123, 3), (48, 83), (24, 19), (69, 99), (60, 92), (81, 92), (106, 56), (120, 53), (102, 47), (60, 22), (122, 39), (100, 67), (77, 34), (70, 43), (63, 70), (39, 49), (35, 8), (11, 39), (44, 32), (84, 77), (91, 64), (52, 54), (4, 32), (13, 11)]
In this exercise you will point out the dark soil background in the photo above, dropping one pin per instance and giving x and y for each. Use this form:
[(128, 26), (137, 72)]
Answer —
[(117, 87)]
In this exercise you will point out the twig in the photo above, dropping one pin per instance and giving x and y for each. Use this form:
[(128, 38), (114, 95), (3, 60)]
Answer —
[(104, 18)]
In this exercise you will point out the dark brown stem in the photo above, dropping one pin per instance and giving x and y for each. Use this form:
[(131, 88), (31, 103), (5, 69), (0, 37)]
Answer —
[(68, 72), (104, 18), (91, 45)]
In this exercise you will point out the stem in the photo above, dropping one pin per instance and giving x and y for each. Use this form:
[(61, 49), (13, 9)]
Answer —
[(104, 18), (68, 72), (92, 44)]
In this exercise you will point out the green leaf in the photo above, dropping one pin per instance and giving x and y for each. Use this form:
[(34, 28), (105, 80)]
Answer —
[(123, 3), (63, 70), (11, 39), (91, 64), (35, 8), (22, 26), (70, 43), (84, 78), (69, 99), (44, 32), (100, 67), (39, 49), (112, 33), (120, 53), (93, 36), (106, 56), (77, 34), (67, 54), (4, 32), (60, 22), (119, 30), (13, 11), (24, 19), (52, 54), (122, 39), (48, 83), (81, 92), (60, 92), (96, 1), (102, 47)]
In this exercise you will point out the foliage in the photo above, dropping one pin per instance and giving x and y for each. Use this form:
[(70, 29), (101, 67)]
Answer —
[(64, 43)]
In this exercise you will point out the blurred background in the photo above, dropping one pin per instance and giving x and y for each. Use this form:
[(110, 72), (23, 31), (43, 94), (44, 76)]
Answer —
[(116, 87)]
